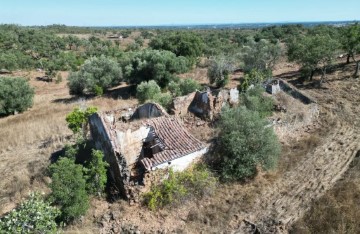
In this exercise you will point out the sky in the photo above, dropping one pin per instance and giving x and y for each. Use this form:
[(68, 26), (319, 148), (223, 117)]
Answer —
[(173, 12)]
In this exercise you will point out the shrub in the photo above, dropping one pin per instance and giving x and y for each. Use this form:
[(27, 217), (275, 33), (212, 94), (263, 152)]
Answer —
[(8, 61), (183, 87), (16, 95), (254, 77), (95, 173), (246, 142), (96, 72), (180, 43), (174, 88), (255, 100), (261, 55), (58, 78), (188, 86), (180, 186), (155, 65), (78, 119), (32, 216), (71, 151), (69, 189), (219, 71), (163, 99), (79, 150), (98, 90), (147, 90)]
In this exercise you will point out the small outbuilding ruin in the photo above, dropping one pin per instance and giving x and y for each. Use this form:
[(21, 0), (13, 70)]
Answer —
[(205, 105)]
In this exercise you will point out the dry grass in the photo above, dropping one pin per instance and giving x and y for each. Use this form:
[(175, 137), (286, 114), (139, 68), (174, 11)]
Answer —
[(28, 140), (338, 210)]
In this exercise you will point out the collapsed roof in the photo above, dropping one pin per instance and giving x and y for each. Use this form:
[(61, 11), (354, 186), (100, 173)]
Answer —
[(175, 141), (150, 140)]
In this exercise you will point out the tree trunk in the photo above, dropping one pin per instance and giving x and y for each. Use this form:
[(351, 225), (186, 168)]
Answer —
[(311, 75), (356, 75), (323, 75)]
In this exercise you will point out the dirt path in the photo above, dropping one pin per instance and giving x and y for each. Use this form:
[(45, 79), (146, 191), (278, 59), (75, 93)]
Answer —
[(286, 200)]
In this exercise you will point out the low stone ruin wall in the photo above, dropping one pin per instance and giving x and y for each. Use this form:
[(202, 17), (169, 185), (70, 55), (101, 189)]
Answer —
[(295, 93)]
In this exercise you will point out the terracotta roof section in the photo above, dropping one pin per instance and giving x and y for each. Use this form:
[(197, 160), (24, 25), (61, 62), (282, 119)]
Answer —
[(177, 140)]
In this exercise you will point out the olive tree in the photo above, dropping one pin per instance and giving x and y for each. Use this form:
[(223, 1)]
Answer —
[(312, 52), (261, 55), (160, 66), (180, 43), (147, 90), (16, 95), (350, 42), (220, 69), (96, 74), (246, 142)]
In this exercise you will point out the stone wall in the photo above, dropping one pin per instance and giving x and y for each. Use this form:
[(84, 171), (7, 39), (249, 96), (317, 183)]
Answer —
[(118, 168), (295, 93), (121, 149), (181, 104)]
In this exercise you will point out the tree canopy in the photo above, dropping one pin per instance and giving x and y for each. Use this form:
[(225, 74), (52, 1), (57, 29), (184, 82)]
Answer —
[(16, 95), (97, 74), (155, 65), (261, 55), (69, 189), (180, 43), (313, 51), (220, 69), (351, 43), (245, 142)]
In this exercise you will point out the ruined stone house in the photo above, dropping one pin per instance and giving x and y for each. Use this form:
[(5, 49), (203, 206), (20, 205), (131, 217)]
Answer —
[(205, 105), (150, 140)]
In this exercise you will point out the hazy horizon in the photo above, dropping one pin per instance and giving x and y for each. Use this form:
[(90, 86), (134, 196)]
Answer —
[(112, 13)]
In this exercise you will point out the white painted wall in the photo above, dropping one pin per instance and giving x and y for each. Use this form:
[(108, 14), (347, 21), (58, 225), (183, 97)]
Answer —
[(182, 163)]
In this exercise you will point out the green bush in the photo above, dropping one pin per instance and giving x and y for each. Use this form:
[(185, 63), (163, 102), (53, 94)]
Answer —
[(8, 61), (78, 119), (96, 72), (58, 78), (146, 65), (183, 87), (261, 55), (147, 90), (194, 183), (98, 90), (188, 86), (164, 99), (69, 189), (180, 43), (16, 95), (255, 100), (246, 142), (32, 216), (254, 77), (95, 173), (219, 71), (174, 88), (79, 150)]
